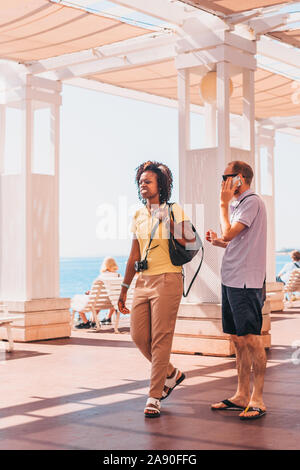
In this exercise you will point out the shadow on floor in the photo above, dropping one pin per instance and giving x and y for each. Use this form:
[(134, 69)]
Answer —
[(186, 422), (94, 339), (19, 354)]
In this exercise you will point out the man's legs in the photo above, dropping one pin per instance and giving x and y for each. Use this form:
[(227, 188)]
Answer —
[(250, 351), (242, 319), (259, 361), (243, 365)]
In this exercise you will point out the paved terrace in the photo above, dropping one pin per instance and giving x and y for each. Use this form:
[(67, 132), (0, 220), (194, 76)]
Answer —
[(88, 392)]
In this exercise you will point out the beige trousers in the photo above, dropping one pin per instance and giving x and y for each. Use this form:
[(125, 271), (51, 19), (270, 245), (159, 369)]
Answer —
[(153, 316)]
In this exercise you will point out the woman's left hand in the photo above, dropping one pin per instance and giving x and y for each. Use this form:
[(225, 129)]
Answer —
[(121, 304)]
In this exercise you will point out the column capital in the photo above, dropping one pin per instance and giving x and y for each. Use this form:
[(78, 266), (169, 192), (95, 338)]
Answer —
[(19, 86), (265, 131)]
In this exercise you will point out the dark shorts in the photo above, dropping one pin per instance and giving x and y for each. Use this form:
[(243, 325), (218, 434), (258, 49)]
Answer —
[(241, 310)]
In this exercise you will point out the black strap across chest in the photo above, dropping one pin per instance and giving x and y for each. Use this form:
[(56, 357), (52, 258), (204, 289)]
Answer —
[(238, 205)]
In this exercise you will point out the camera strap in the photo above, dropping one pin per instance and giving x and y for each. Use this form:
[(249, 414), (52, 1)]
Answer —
[(151, 238)]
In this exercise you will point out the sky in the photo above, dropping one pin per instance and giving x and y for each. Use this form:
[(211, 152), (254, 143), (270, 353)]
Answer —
[(105, 137)]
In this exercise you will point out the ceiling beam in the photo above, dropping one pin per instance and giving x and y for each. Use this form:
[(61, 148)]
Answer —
[(221, 53), (143, 43), (114, 63), (293, 17), (281, 122), (295, 133), (265, 24), (173, 13), (211, 39), (278, 51)]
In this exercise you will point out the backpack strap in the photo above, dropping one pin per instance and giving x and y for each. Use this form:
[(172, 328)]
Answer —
[(185, 294), (240, 202)]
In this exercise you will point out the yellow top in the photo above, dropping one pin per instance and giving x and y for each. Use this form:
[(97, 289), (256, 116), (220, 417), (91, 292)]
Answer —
[(159, 261)]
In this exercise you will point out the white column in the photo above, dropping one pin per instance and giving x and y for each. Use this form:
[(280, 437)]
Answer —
[(210, 123), (27, 178), (2, 136), (265, 143), (249, 115), (55, 121), (201, 169), (29, 206), (183, 127), (223, 113), (30, 198)]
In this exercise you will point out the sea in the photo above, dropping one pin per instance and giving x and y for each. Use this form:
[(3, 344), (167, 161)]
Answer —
[(77, 274)]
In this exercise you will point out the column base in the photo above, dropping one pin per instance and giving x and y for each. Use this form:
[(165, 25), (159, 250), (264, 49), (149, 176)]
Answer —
[(39, 319), (199, 330)]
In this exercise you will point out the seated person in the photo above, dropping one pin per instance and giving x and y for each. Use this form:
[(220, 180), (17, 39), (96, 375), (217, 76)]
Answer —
[(288, 268), (108, 270)]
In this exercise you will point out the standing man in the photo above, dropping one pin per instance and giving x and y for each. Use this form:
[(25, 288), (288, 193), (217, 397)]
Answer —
[(244, 233)]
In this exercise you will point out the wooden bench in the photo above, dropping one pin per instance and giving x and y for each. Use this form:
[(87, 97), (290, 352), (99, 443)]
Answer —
[(6, 320), (104, 294), (293, 285)]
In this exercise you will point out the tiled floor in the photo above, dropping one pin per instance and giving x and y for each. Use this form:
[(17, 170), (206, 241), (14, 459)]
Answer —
[(89, 391)]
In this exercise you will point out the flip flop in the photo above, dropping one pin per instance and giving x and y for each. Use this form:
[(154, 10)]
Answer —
[(230, 406), (172, 383), (253, 408)]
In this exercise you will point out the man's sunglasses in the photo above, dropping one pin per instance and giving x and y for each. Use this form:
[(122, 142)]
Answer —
[(224, 177)]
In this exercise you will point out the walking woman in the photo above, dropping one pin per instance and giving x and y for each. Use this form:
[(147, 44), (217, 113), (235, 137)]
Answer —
[(159, 284)]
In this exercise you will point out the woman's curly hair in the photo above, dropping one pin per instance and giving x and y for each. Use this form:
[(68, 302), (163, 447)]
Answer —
[(164, 179)]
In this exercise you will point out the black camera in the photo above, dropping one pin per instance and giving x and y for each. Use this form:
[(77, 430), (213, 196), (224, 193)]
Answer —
[(141, 265)]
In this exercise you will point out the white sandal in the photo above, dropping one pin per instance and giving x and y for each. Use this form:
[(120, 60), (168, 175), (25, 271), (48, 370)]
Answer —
[(152, 405), (171, 383)]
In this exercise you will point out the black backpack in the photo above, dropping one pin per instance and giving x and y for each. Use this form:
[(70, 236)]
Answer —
[(181, 255)]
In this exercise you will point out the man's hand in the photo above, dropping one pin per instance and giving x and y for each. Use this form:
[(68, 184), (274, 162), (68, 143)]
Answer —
[(212, 237), (227, 191), (228, 231)]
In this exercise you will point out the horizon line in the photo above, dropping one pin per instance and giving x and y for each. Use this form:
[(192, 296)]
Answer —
[(285, 250)]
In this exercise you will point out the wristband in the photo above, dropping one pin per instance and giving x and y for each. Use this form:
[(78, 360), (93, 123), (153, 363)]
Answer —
[(125, 285)]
